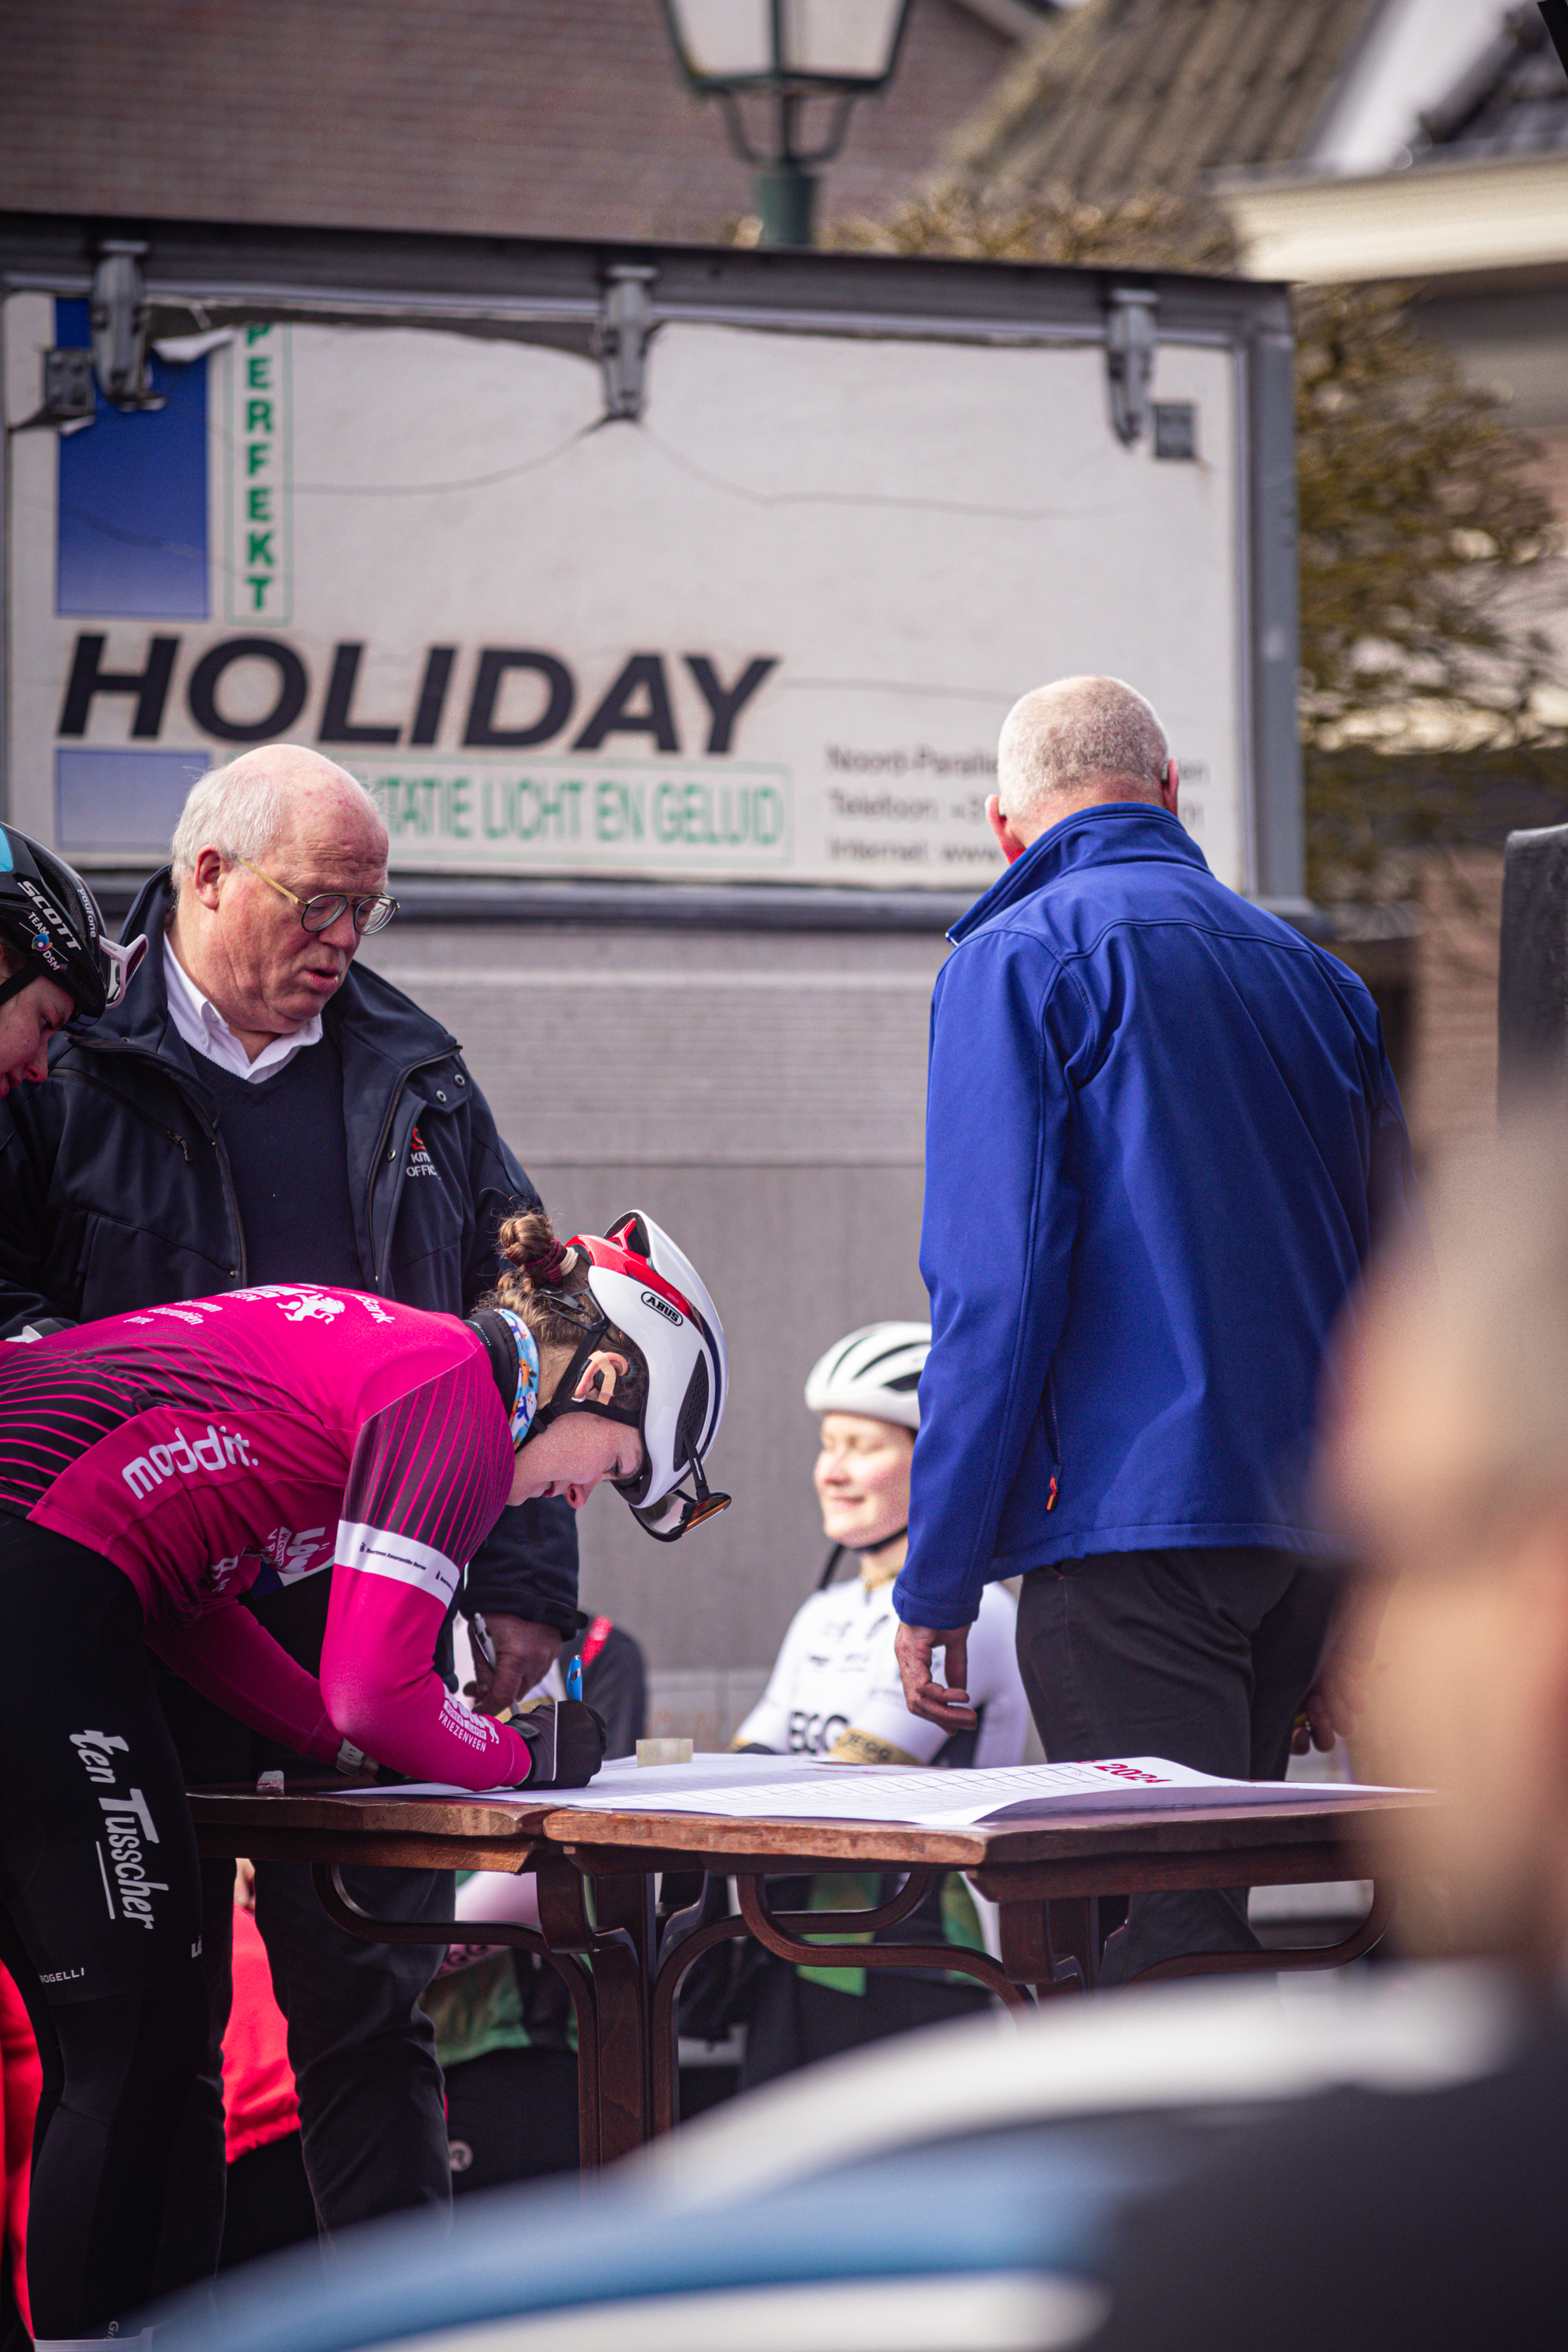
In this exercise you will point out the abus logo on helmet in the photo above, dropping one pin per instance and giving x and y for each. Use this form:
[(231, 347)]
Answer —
[(662, 1307)]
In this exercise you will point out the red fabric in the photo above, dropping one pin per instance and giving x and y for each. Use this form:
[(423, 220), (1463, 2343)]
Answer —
[(21, 2081), (259, 2100)]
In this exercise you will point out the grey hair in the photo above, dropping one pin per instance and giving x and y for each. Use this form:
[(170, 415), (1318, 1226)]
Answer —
[(1079, 731), (240, 809)]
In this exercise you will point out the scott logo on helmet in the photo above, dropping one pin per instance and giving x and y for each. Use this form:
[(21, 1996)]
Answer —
[(662, 1307), (42, 944)]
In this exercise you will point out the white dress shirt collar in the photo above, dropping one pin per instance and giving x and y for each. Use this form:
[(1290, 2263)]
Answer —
[(205, 1031)]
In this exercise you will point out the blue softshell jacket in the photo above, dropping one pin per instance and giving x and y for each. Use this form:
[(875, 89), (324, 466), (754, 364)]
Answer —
[(1163, 1140)]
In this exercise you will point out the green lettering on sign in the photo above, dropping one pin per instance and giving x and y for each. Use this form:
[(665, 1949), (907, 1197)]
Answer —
[(577, 816), (258, 537)]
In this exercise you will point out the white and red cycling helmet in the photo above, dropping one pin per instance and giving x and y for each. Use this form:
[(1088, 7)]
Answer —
[(644, 1285)]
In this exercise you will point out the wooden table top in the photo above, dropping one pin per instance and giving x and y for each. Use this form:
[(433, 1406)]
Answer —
[(343, 1826)]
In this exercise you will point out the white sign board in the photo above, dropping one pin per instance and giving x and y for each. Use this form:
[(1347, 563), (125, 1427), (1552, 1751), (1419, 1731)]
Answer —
[(768, 632)]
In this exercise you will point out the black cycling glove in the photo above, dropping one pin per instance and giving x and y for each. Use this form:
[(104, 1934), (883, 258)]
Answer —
[(569, 1760)]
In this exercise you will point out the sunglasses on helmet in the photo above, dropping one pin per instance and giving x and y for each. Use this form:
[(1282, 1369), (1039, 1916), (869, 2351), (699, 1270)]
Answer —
[(677, 1513), (119, 966)]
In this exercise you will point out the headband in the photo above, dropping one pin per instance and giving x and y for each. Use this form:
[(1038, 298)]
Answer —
[(525, 1405)]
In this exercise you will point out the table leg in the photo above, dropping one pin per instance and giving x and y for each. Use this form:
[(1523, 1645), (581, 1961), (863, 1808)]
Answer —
[(623, 1987), (1072, 1931), (785, 1934), (566, 1928), (1307, 1956), (663, 2039), (341, 1907), (1053, 1946)]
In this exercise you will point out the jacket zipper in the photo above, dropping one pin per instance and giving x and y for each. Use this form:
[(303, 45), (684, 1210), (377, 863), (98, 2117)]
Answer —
[(230, 1195), (86, 1079), (1054, 1430)]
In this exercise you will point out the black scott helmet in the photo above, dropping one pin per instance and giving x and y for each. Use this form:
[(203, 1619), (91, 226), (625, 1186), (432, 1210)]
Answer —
[(51, 918)]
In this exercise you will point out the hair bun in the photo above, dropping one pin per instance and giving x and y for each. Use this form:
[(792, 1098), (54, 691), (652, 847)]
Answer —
[(551, 1264)]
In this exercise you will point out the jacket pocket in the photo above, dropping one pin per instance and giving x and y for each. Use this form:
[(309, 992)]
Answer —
[(125, 1268)]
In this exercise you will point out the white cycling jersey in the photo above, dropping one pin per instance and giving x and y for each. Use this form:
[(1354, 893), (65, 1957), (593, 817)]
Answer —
[(835, 1672)]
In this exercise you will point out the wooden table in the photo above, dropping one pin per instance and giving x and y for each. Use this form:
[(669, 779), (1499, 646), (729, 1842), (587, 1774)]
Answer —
[(598, 1930)]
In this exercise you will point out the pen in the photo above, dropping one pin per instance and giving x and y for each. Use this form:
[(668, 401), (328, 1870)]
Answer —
[(575, 1678), (482, 1643)]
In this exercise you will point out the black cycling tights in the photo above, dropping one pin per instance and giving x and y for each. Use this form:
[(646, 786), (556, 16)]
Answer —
[(100, 1923)]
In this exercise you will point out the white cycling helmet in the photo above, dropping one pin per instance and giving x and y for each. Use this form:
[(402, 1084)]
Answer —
[(875, 1371), (640, 1282)]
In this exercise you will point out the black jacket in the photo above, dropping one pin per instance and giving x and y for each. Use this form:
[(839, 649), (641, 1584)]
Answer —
[(115, 1192)]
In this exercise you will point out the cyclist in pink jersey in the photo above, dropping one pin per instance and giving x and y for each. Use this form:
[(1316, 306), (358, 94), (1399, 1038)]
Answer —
[(153, 1466)]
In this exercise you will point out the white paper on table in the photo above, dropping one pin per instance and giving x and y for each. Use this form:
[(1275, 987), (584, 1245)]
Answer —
[(622, 1786), (848, 1792), (804, 1788)]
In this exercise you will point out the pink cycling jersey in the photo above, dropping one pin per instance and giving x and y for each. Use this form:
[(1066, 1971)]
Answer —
[(268, 1434)]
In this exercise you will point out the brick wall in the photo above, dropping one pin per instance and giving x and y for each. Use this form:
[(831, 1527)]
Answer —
[(1452, 1093), (517, 117)]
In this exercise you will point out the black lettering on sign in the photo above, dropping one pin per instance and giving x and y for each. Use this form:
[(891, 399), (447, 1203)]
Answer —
[(482, 732), (293, 686), (337, 727), (149, 684), (432, 694), (726, 703), (642, 675)]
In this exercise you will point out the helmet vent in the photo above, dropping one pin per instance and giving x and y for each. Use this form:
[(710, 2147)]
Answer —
[(693, 1413)]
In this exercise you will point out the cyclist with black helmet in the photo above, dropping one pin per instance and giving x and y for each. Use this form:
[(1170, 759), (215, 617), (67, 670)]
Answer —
[(155, 1466), (58, 970)]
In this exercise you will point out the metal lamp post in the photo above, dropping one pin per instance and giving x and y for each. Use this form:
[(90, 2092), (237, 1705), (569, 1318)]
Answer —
[(787, 52)]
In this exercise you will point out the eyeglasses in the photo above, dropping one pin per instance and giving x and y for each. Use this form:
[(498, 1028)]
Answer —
[(320, 912)]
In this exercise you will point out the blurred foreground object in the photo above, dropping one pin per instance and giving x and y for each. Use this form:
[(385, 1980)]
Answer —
[(1433, 2219), (850, 2205), (1532, 974)]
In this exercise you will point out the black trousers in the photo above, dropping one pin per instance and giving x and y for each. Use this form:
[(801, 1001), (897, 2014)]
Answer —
[(100, 1924), (1200, 1656), (796, 2022), (372, 2108), (511, 2116)]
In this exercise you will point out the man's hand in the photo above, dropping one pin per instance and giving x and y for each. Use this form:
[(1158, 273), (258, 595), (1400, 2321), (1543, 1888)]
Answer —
[(914, 1647), (1331, 1707), (525, 1655)]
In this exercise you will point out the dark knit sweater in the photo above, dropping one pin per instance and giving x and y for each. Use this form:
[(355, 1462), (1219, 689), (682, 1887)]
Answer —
[(287, 1147)]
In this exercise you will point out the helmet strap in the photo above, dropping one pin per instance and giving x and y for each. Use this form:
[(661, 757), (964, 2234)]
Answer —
[(18, 980), (881, 1543), (562, 1401)]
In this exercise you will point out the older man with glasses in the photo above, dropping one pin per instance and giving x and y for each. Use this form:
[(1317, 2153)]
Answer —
[(258, 1108)]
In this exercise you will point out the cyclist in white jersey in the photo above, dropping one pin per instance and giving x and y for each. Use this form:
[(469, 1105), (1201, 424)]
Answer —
[(835, 1690)]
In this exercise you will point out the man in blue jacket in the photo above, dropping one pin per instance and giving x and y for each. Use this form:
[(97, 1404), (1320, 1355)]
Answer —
[(1162, 1141)]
